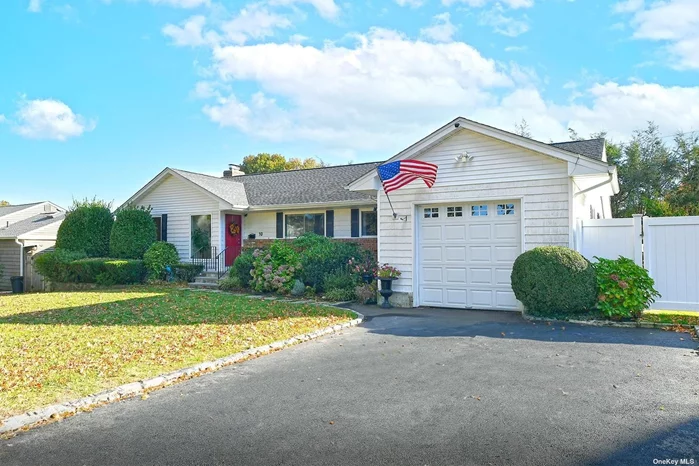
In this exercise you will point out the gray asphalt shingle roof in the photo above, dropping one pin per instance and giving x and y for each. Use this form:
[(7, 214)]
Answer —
[(593, 148), (232, 192), (315, 185), (10, 209), (305, 186), (30, 224)]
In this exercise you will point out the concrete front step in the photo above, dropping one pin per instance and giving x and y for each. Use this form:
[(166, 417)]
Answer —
[(201, 279)]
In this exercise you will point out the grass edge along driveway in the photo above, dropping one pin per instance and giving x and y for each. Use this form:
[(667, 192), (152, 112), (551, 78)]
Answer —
[(56, 347)]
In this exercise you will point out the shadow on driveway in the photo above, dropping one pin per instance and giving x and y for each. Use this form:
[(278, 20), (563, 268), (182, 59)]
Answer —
[(433, 322)]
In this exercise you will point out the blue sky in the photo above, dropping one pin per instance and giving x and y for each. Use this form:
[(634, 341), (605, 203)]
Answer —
[(96, 96)]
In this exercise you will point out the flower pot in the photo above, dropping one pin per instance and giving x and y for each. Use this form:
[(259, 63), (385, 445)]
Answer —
[(386, 291), (368, 278)]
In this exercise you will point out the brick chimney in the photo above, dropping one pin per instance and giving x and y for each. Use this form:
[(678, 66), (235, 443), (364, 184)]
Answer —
[(233, 170)]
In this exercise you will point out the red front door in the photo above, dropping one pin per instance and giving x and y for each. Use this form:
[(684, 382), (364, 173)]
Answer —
[(234, 239)]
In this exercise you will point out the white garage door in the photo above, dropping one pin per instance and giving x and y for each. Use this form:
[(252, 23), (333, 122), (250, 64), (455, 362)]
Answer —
[(466, 252)]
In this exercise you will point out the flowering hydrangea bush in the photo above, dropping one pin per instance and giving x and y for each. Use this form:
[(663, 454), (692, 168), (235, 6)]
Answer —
[(362, 266), (625, 288), (387, 271), (274, 269)]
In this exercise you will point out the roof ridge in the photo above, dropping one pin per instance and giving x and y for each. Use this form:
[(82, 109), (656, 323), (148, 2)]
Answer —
[(233, 178), (23, 205), (578, 140)]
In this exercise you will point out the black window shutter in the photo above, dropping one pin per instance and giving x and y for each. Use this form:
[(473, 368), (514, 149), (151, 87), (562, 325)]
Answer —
[(163, 227), (280, 224), (329, 223), (355, 223)]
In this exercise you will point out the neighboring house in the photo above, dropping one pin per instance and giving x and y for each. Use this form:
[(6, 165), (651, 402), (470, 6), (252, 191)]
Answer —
[(24, 231), (497, 194)]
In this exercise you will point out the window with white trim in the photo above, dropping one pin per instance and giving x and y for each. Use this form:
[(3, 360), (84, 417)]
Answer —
[(296, 225), (506, 209), (455, 212), (369, 223), (479, 210), (432, 212)]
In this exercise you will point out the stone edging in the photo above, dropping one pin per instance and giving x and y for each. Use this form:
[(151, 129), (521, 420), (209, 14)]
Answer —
[(31, 419), (609, 323)]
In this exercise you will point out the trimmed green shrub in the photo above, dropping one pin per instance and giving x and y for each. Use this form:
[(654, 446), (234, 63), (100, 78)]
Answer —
[(230, 283), (133, 233), (625, 288), (106, 271), (340, 285), (86, 228), (321, 256), (242, 267), (121, 272), (158, 256), (53, 265), (554, 280), (185, 272)]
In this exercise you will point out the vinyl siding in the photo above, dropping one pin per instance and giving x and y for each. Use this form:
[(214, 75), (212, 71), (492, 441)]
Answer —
[(9, 258), (180, 200), (266, 222), (498, 170)]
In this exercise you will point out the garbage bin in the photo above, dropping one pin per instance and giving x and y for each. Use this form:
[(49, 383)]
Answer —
[(17, 284)]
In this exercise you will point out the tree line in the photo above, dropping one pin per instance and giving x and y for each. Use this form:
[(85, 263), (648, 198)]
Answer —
[(658, 175)]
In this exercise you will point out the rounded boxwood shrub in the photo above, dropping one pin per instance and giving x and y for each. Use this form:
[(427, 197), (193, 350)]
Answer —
[(241, 268), (554, 281), (159, 256), (54, 265), (86, 228), (132, 234)]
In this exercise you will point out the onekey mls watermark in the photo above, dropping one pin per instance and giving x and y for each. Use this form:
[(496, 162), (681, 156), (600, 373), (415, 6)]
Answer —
[(674, 461)]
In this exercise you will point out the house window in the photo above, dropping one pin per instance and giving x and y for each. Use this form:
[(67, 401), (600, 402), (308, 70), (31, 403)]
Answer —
[(296, 225), (479, 210), (432, 212), (506, 209), (455, 212), (369, 223), (201, 236), (158, 228)]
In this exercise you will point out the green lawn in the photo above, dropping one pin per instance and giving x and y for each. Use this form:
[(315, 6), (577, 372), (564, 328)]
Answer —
[(671, 317), (60, 346)]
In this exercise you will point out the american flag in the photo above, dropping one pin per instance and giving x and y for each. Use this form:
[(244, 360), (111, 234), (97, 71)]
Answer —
[(395, 175)]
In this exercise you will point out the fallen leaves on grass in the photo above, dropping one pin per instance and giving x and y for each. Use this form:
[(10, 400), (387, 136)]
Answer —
[(60, 346)]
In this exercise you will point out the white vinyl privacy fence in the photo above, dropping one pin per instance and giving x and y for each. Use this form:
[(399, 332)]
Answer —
[(668, 247)]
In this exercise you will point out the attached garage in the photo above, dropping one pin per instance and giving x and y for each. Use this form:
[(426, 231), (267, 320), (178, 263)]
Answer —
[(465, 253)]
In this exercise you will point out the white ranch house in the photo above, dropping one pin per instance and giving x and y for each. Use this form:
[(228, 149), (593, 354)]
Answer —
[(497, 194)]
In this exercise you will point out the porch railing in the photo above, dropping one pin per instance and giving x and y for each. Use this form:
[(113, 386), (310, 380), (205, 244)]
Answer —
[(211, 260)]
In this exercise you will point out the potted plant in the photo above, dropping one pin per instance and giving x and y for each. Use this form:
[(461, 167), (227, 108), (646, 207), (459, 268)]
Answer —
[(386, 275), (366, 268)]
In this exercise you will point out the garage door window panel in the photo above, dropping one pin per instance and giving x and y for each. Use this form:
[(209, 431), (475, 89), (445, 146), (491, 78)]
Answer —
[(479, 210)]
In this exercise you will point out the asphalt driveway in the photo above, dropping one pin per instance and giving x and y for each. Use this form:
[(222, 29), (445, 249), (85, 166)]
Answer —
[(422, 387)]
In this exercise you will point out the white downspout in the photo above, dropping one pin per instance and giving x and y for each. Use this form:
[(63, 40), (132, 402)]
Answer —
[(21, 256)]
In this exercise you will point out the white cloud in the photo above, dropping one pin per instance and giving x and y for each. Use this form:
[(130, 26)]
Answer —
[(253, 22), (3, 118), (481, 3), (516, 48), (297, 38), (49, 119), (386, 91), (189, 34), (628, 6), (441, 30), (326, 8), (181, 3), (410, 3), (502, 24), (675, 23), (34, 6)]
